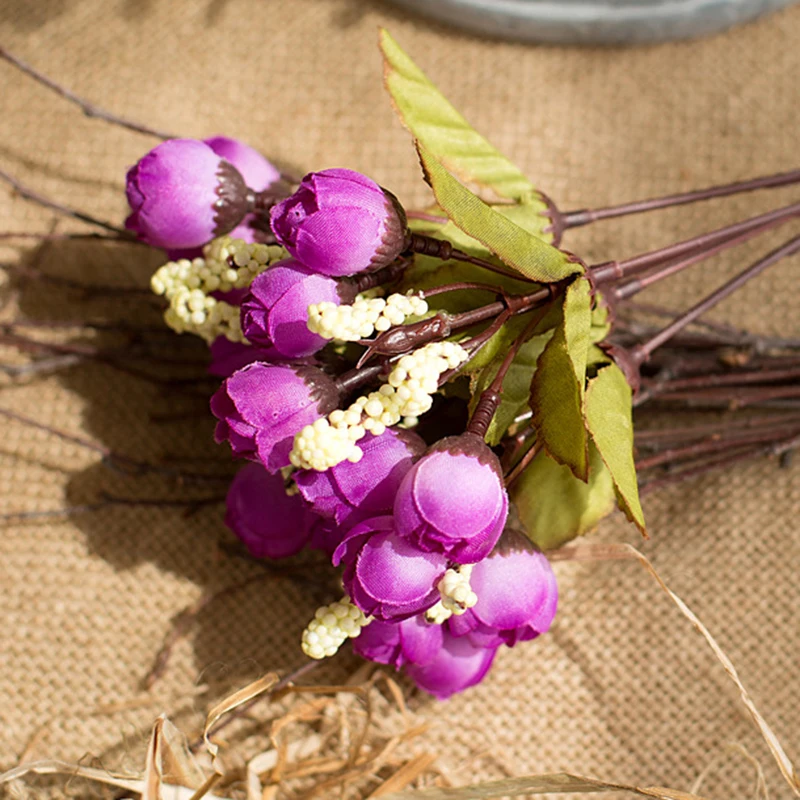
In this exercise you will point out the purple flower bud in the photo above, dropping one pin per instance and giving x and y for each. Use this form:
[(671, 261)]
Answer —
[(453, 500), (517, 595), (412, 641), (340, 222), (459, 664), (386, 576), (182, 195), (261, 407), (275, 310), (351, 492), (271, 523)]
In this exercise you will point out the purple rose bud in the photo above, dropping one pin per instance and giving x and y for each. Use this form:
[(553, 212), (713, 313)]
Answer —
[(182, 195), (412, 641), (275, 310), (261, 407), (517, 595), (271, 523), (453, 500), (340, 222), (386, 576), (459, 664), (351, 492)]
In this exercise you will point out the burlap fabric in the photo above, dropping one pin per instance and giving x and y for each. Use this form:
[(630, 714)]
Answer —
[(622, 688)]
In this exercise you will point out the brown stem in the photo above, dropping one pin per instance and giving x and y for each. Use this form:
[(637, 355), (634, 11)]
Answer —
[(574, 219), (654, 437), (707, 446), (358, 377), (29, 194), (89, 109), (610, 271), (442, 249), (632, 287), (641, 352), (778, 448), (523, 464), (489, 400), (723, 379)]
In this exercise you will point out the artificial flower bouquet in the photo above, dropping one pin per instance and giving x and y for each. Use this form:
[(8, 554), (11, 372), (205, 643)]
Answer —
[(438, 400), (435, 398)]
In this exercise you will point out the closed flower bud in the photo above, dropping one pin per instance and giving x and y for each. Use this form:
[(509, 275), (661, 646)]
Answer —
[(386, 576), (275, 311), (182, 195), (517, 595), (262, 406), (340, 222), (453, 501), (271, 523), (354, 491), (412, 641), (459, 664)]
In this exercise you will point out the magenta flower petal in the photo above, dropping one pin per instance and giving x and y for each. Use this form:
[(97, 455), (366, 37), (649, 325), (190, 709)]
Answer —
[(265, 405), (271, 523), (453, 500), (517, 595), (411, 641), (339, 223), (349, 492), (458, 665), (182, 195), (274, 313), (386, 576)]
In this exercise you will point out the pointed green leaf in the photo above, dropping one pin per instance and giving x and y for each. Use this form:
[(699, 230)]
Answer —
[(608, 416), (556, 394), (513, 245), (554, 506), (432, 120)]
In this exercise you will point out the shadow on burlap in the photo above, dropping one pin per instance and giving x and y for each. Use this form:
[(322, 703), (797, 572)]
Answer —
[(622, 688)]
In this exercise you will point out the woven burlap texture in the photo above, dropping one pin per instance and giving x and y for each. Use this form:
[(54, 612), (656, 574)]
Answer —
[(622, 688)]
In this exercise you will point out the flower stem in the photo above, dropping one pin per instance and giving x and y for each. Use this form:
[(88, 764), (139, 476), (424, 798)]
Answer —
[(637, 284), (610, 271), (575, 219), (89, 109), (486, 406), (641, 352), (35, 197)]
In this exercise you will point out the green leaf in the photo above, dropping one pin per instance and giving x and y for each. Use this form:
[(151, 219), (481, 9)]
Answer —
[(557, 387), (516, 384), (433, 121), (608, 416), (554, 506), (601, 319), (513, 245)]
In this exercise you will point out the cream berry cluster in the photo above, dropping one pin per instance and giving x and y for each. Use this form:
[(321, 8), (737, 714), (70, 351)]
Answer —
[(407, 394), (188, 285), (349, 323), (331, 627)]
